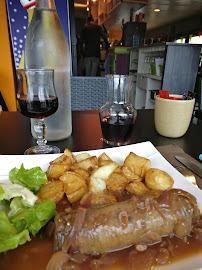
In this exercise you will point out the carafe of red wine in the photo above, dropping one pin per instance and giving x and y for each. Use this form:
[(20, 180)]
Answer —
[(118, 115), (47, 47)]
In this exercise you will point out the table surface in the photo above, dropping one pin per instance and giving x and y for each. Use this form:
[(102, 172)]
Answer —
[(15, 135)]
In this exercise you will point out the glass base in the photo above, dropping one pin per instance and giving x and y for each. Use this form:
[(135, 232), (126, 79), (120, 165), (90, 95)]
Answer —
[(115, 143), (40, 150)]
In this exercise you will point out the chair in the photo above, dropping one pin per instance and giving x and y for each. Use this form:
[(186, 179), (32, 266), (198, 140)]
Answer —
[(88, 93)]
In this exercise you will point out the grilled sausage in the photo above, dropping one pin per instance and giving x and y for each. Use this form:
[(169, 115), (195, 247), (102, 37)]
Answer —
[(140, 220)]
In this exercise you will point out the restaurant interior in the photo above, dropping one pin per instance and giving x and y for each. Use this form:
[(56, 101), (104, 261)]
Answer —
[(107, 175), (162, 21), (166, 21), (158, 24)]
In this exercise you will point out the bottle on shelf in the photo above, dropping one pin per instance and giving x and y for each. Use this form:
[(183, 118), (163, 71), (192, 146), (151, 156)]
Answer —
[(47, 47)]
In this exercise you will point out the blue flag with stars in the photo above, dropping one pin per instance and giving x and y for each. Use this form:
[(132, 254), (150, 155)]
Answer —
[(19, 19)]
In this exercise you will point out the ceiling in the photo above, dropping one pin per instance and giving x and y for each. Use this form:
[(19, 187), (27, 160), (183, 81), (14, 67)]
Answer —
[(171, 11)]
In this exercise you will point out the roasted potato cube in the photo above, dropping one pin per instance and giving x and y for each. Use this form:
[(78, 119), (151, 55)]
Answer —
[(75, 186), (97, 185), (69, 153), (55, 170), (105, 171), (103, 160), (107, 162), (118, 170), (91, 199), (98, 179), (137, 188), (103, 199), (77, 195), (155, 193), (64, 159), (158, 179), (104, 156), (80, 171), (81, 157), (88, 164), (130, 175), (138, 165), (53, 190), (116, 181)]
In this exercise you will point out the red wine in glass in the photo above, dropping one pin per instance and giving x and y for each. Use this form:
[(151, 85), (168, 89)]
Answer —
[(38, 108), (37, 98), (119, 133)]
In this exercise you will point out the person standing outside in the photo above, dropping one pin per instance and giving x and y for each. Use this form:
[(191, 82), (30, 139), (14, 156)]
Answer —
[(90, 38)]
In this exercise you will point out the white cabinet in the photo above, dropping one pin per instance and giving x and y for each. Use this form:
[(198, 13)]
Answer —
[(134, 53), (142, 61), (146, 83), (178, 70)]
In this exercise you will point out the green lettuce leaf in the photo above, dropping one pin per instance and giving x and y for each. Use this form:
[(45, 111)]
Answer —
[(32, 179), (17, 206), (9, 238), (14, 241), (33, 218), (5, 206), (6, 228), (20, 215), (1, 191)]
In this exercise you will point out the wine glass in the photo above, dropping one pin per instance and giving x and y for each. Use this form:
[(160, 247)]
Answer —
[(36, 98)]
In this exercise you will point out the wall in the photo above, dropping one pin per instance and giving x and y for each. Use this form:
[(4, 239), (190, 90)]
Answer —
[(115, 35), (178, 29), (7, 87)]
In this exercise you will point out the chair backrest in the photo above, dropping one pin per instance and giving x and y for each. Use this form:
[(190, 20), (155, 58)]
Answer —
[(88, 93)]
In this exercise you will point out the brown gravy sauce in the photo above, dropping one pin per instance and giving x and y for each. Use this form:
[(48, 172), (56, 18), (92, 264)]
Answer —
[(35, 255)]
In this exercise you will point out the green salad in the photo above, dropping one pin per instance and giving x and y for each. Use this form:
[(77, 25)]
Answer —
[(20, 215)]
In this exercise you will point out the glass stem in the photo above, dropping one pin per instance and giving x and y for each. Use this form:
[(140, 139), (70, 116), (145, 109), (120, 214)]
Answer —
[(40, 129)]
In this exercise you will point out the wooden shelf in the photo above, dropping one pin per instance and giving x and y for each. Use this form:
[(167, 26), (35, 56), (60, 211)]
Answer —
[(120, 50), (148, 75), (120, 11), (134, 71)]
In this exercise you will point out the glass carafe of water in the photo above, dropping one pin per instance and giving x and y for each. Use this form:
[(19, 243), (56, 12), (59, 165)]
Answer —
[(47, 47)]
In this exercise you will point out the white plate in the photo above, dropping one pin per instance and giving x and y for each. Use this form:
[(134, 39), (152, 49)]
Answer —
[(118, 154)]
